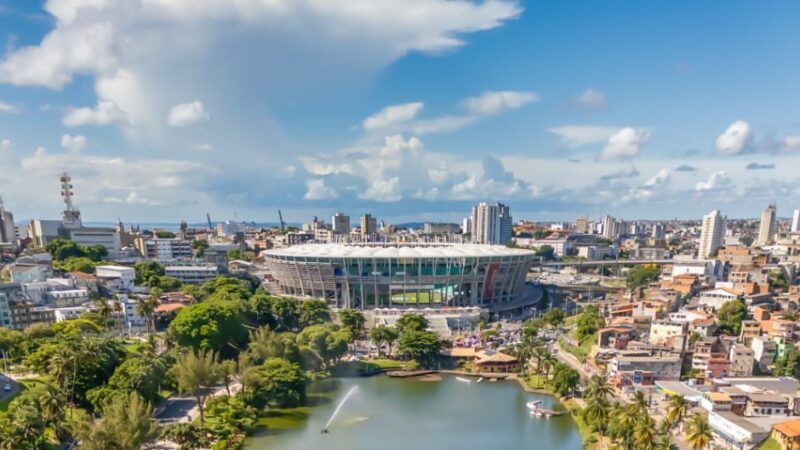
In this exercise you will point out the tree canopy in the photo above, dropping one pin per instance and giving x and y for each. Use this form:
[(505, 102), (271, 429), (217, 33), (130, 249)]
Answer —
[(211, 325), (730, 316)]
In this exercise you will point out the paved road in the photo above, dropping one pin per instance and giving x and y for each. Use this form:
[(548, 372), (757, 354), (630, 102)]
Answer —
[(180, 409), (6, 395)]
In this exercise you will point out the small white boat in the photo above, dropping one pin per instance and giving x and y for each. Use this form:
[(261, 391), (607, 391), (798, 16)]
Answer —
[(533, 405), (479, 380), (464, 380)]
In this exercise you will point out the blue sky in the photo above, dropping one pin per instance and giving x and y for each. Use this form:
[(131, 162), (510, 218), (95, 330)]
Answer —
[(411, 110)]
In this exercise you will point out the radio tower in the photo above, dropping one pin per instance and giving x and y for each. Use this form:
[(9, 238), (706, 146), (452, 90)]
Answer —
[(70, 216)]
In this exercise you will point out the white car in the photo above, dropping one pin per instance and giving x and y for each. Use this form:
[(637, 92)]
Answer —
[(7, 387)]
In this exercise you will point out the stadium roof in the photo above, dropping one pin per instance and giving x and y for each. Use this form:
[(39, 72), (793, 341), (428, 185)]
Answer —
[(399, 251)]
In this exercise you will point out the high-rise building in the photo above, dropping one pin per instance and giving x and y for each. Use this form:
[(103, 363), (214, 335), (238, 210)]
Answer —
[(466, 225), (658, 232), (340, 223), (612, 227), (796, 221), (766, 230), (369, 226), (8, 232), (582, 225), (491, 224), (712, 234)]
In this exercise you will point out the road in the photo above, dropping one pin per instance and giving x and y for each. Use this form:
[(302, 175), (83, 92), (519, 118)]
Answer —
[(181, 409), (15, 388)]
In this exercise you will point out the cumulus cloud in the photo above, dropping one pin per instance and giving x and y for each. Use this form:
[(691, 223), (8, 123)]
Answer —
[(791, 143), (392, 115), (382, 190), (627, 172), (659, 179), (715, 181), (574, 136), (316, 190), (735, 140), (8, 108), (490, 103), (591, 98), (759, 166), (685, 168), (625, 143), (184, 114), (5, 145), (73, 144), (105, 113)]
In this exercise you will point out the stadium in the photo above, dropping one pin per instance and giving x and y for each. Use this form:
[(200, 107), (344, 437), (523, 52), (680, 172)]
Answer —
[(369, 276)]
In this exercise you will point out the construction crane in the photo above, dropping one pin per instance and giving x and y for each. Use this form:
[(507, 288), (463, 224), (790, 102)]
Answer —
[(208, 217), (283, 224)]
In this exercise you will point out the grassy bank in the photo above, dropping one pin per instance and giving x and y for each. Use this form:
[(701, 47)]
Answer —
[(770, 444), (584, 347), (589, 438)]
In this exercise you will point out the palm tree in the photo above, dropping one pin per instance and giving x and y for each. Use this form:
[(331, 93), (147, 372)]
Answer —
[(51, 406), (119, 322), (548, 363), (104, 309), (640, 403), (644, 434), (677, 410), (698, 434), (197, 373), (125, 425), (665, 439), (597, 413), (146, 307), (540, 352), (598, 388)]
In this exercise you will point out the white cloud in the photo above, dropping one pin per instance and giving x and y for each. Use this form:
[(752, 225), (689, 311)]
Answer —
[(715, 181), (105, 113), (736, 139), (8, 108), (184, 114), (791, 143), (591, 98), (625, 143), (73, 144), (316, 190), (392, 115), (5, 145), (574, 136), (659, 179), (383, 190), (490, 103)]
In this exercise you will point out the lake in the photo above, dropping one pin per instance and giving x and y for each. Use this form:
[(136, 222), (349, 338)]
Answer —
[(401, 414)]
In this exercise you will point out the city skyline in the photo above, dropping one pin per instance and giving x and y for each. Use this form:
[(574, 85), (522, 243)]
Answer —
[(555, 112)]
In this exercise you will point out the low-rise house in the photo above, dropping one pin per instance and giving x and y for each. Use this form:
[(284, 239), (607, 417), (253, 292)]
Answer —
[(116, 278), (715, 298), (732, 431), (787, 434), (615, 337), (491, 361), (750, 330), (704, 327), (742, 360), (662, 367), (767, 405), (716, 401), (192, 274), (764, 351), (661, 331)]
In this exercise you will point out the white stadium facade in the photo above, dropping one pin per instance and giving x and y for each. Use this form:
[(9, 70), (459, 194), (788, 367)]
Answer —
[(368, 276)]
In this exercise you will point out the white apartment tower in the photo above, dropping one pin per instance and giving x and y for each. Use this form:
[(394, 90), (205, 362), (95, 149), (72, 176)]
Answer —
[(712, 235), (491, 224), (8, 232), (766, 230), (796, 221), (340, 223)]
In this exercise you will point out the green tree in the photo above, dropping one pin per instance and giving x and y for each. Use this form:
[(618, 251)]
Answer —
[(22, 427), (61, 249), (421, 346), (313, 312), (212, 325), (597, 389), (162, 234), (282, 383), (353, 320), (730, 316), (546, 252), (125, 425), (597, 414), (641, 276), (382, 334), (327, 341), (95, 252), (197, 373), (225, 287), (565, 379), (200, 246), (788, 364), (677, 410), (77, 264), (411, 322), (554, 317), (698, 433), (265, 343), (12, 343), (146, 270), (589, 321)]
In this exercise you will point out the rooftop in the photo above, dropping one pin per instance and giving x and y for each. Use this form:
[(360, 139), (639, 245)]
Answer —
[(397, 251), (790, 428)]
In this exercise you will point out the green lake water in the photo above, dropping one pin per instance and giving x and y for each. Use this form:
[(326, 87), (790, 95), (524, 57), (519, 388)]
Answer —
[(405, 414)]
